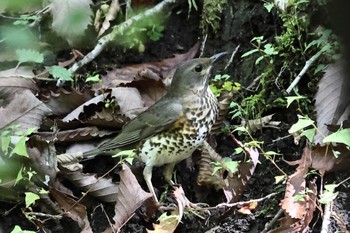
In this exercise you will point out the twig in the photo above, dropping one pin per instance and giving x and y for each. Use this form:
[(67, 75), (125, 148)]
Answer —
[(303, 71), (232, 56), (203, 45), (59, 216), (269, 225), (117, 31), (230, 205), (326, 217)]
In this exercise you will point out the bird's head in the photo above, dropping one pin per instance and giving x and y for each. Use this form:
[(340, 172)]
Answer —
[(192, 76)]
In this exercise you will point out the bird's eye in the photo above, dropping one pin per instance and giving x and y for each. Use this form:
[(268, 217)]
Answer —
[(198, 68)]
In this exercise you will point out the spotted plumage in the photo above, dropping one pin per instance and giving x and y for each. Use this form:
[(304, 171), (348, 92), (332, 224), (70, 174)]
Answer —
[(170, 130)]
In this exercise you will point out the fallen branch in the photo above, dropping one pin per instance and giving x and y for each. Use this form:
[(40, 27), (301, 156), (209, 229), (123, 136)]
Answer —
[(308, 63), (117, 31)]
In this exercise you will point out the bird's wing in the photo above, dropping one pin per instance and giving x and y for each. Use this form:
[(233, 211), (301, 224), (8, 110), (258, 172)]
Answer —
[(155, 119)]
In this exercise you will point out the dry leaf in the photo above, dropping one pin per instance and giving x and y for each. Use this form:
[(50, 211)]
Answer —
[(102, 188), (161, 70), (12, 85), (112, 12), (129, 101), (74, 115), (296, 185), (332, 100), (43, 156), (74, 210), (239, 180), (62, 102), (130, 197), (70, 18), (25, 110), (75, 135)]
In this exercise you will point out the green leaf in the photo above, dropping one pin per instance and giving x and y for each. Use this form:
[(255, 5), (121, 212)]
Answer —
[(309, 134), (62, 73), (327, 196), (270, 50), (341, 136), (232, 166), (279, 178), (94, 79), (269, 6), (227, 85), (250, 52), (259, 60), (30, 198), (20, 147), (301, 124), (27, 55), (291, 99), (18, 229)]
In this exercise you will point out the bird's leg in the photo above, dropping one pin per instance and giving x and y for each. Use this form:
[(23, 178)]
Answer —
[(168, 172), (147, 175)]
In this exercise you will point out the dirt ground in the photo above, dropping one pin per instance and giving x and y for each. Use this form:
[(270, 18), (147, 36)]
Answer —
[(241, 21)]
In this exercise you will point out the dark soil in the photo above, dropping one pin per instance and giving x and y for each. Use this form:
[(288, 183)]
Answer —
[(241, 21)]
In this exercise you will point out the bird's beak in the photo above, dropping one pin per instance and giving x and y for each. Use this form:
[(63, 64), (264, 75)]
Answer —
[(217, 56)]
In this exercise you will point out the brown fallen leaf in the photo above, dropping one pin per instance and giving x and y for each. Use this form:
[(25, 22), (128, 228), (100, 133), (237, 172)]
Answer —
[(73, 209), (110, 16), (42, 154), (289, 224), (25, 110), (62, 101), (102, 188), (332, 100), (75, 135), (239, 180), (129, 198), (12, 85), (161, 70), (296, 185)]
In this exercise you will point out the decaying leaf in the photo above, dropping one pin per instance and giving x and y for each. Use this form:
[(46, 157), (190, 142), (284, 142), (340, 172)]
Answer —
[(129, 101), (75, 135), (74, 115), (324, 160), (102, 188), (129, 198), (43, 156), (112, 12), (25, 110), (296, 185), (70, 18), (332, 100), (224, 100), (73, 209), (207, 174), (12, 85), (161, 70), (62, 101), (238, 182), (260, 123), (289, 224)]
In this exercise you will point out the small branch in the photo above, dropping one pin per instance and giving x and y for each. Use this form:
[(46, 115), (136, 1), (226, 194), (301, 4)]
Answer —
[(303, 71), (230, 205), (232, 56), (269, 225), (326, 217), (117, 31), (59, 216)]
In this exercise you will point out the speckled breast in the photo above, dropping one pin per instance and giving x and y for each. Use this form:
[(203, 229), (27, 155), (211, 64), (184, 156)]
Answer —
[(186, 134)]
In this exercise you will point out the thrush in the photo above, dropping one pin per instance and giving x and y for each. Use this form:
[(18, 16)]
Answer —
[(177, 124)]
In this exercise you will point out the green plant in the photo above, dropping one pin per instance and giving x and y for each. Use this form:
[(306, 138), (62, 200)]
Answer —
[(222, 83)]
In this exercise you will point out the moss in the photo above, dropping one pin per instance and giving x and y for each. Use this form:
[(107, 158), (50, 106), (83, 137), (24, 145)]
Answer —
[(212, 10)]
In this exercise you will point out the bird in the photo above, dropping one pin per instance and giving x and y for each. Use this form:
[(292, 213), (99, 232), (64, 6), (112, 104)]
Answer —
[(177, 124)]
